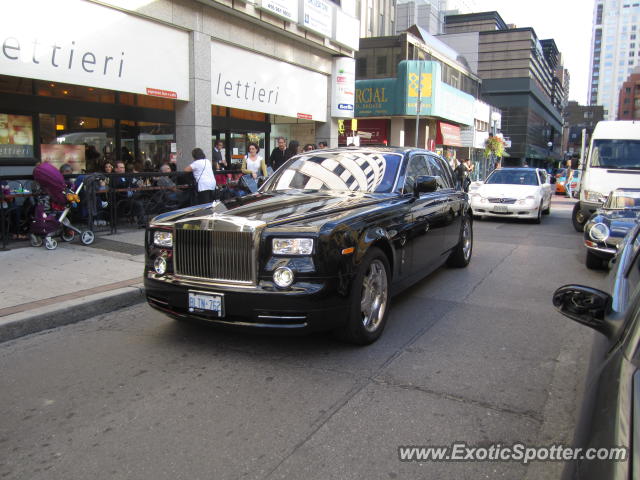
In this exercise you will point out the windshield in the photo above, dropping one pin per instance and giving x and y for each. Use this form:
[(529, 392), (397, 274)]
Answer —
[(616, 154), (620, 199), (348, 171), (513, 177)]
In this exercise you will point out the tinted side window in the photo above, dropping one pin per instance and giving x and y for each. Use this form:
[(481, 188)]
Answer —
[(417, 166), (439, 171)]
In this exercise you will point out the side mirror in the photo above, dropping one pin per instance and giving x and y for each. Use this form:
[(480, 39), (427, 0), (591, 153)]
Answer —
[(425, 184), (585, 305)]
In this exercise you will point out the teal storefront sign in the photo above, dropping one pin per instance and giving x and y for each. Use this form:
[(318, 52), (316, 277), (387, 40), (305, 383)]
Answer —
[(399, 96)]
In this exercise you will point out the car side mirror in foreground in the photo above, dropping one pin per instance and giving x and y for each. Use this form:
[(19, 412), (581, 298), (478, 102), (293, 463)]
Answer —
[(585, 305), (425, 184)]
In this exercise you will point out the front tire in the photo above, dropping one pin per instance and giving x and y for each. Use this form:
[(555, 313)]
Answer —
[(538, 219), (461, 254), (578, 218), (369, 300)]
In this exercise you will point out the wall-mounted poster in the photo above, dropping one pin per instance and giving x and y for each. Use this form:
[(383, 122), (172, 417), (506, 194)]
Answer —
[(58, 154), (16, 136)]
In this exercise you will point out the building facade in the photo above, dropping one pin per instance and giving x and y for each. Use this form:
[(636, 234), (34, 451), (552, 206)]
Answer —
[(615, 49), (629, 98), (150, 83), (521, 76), (576, 119), (429, 14), (412, 90)]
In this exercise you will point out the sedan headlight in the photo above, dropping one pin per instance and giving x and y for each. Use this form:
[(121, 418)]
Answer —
[(292, 246), (599, 232), (527, 200), (163, 239), (596, 197)]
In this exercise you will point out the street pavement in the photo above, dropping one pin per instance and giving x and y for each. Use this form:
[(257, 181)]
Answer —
[(477, 355)]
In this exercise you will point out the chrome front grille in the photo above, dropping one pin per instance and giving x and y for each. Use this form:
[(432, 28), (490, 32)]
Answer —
[(214, 255), (502, 200)]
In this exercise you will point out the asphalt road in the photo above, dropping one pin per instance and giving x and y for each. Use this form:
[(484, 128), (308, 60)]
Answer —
[(477, 355)]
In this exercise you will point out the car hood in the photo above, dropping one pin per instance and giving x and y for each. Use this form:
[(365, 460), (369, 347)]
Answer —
[(277, 208), (507, 191)]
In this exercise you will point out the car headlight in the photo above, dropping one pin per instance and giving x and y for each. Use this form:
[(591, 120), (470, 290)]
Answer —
[(596, 197), (529, 199), (163, 239), (599, 232), (292, 246)]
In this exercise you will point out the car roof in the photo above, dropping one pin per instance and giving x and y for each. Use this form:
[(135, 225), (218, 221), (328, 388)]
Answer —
[(519, 169), (401, 150)]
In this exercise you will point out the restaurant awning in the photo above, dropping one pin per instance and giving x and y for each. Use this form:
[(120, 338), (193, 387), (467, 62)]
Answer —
[(448, 134)]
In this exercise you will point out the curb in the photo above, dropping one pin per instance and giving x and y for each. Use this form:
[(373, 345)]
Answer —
[(67, 312)]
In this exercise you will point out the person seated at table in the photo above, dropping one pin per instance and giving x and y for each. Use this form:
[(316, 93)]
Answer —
[(172, 195), (127, 198)]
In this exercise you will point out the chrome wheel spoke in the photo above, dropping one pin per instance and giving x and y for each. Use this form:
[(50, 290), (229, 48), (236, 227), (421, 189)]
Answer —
[(374, 296)]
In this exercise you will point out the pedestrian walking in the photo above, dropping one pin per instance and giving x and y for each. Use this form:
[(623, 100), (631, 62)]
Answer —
[(203, 174), (463, 172), (277, 156), (253, 164)]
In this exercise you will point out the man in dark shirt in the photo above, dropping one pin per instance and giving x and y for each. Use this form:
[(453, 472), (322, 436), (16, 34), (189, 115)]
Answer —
[(126, 200), (277, 157)]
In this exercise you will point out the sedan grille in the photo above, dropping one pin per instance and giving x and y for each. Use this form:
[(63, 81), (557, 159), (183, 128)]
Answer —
[(502, 200), (224, 256)]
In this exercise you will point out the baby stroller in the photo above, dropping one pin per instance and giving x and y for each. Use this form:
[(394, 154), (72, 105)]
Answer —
[(54, 201)]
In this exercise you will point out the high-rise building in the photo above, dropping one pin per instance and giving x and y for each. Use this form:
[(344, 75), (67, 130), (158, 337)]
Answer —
[(522, 75), (629, 99), (429, 14), (615, 49)]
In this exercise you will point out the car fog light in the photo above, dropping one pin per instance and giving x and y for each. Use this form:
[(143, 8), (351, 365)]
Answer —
[(599, 232), (160, 265), (283, 277)]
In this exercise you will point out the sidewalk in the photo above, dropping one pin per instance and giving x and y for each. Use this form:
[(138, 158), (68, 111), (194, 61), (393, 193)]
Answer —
[(42, 289)]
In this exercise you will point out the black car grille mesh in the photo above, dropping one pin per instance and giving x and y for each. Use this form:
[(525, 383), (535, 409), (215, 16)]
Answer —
[(225, 256)]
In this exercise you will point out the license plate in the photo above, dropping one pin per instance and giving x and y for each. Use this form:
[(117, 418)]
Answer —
[(500, 208), (203, 302)]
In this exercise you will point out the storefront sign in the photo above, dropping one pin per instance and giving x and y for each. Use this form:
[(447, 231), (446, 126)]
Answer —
[(453, 104), (247, 80), (317, 15), (369, 132), (448, 135), (343, 87), (16, 136), (347, 30), (287, 9), (376, 98), (83, 43)]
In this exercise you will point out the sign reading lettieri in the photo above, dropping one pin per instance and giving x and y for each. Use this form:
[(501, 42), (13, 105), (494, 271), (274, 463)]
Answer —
[(117, 51)]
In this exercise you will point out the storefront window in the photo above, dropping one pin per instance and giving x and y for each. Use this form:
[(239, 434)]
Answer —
[(74, 92), (16, 85), (83, 142), (146, 101), (16, 136), (146, 144)]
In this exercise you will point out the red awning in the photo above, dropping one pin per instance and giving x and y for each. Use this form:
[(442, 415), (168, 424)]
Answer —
[(448, 134)]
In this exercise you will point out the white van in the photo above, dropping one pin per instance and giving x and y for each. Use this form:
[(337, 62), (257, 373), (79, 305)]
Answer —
[(613, 162)]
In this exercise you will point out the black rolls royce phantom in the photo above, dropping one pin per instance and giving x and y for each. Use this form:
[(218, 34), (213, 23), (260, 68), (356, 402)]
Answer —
[(323, 244)]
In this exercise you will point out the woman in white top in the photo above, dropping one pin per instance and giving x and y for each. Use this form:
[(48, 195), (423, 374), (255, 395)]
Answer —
[(253, 164), (203, 173)]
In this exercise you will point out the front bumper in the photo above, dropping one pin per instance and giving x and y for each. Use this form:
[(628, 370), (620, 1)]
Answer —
[(602, 250), (307, 306), (504, 210)]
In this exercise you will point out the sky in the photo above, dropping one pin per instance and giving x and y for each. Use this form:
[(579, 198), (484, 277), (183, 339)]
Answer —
[(568, 22)]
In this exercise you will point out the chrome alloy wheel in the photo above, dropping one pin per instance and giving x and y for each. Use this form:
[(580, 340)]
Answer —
[(466, 239), (373, 303)]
